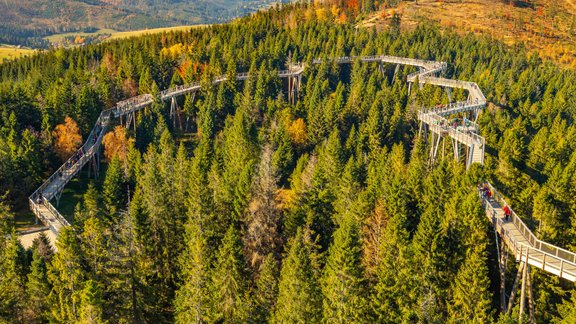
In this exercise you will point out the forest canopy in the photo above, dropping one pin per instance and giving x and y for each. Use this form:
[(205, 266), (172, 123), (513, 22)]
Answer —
[(256, 209)]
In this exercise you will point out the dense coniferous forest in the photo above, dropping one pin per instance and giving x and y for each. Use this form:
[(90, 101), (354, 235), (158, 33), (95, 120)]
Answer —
[(259, 210)]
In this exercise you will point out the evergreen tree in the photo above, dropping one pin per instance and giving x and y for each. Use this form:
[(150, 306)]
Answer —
[(113, 190), (229, 301), (471, 296), (66, 275), (266, 290), (37, 288), (91, 304), (194, 295), (11, 285), (299, 296), (343, 284)]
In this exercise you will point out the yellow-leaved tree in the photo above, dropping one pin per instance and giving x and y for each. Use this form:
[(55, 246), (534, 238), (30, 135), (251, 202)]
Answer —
[(116, 144), (297, 131), (67, 138)]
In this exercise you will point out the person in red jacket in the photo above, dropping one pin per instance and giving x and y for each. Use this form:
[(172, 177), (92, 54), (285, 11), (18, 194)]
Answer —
[(507, 212)]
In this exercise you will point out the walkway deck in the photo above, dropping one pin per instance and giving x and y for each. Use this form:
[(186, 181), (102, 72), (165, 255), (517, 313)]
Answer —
[(523, 243)]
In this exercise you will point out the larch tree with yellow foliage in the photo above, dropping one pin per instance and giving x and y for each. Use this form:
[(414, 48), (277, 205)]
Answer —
[(116, 144), (67, 138)]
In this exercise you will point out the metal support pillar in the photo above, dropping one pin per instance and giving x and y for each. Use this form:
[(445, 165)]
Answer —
[(381, 69), (449, 93), (58, 195), (409, 87)]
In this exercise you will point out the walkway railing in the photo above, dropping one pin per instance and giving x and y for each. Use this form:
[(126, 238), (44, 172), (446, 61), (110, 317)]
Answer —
[(543, 255)]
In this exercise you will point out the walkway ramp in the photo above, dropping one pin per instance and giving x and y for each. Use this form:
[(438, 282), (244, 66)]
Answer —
[(523, 243)]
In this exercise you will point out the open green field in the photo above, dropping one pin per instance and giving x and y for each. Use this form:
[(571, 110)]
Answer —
[(118, 35), (8, 52), (59, 38)]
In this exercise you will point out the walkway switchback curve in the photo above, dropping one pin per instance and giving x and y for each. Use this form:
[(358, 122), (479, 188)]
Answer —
[(515, 234)]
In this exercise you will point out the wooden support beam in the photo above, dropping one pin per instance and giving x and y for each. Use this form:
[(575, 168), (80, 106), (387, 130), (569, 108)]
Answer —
[(530, 297), (436, 147), (523, 293), (502, 264), (515, 288), (449, 93), (396, 70)]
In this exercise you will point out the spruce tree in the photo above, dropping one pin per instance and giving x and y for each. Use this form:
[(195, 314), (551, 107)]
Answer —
[(471, 290), (299, 296), (343, 284), (266, 290), (66, 275), (37, 289), (113, 190), (11, 285), (229, 302), (193, 298), (91, 304)]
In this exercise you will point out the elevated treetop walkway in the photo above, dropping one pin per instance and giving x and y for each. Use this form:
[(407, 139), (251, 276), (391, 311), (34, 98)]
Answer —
[(516, 235)]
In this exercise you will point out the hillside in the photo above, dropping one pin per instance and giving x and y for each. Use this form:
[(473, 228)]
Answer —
[(547, 27), (23, 22)]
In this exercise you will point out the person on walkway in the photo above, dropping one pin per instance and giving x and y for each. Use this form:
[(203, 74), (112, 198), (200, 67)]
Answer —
[(507, 213), (484, 190)]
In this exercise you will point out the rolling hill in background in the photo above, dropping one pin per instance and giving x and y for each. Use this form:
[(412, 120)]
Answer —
[(545, 27), (26, 22)]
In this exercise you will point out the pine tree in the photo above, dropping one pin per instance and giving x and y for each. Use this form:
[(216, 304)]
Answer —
[(471, 290), (266, 290), (113, 190), (66, 275), (229, 302), (194, 295), (11, 286), (37, 288), (299, 296), (94, 246), (566, 311), (91, 304), (343, 284)]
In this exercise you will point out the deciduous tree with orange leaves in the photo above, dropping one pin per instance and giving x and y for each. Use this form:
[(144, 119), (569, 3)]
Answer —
[(67, 138), (116, 144)]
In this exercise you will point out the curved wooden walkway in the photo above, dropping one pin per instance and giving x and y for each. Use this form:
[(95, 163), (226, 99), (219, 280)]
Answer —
[(523, 243)]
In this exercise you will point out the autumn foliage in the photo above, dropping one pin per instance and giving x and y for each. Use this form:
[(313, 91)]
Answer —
[(297, 131), (67, 138), (115, 144)]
